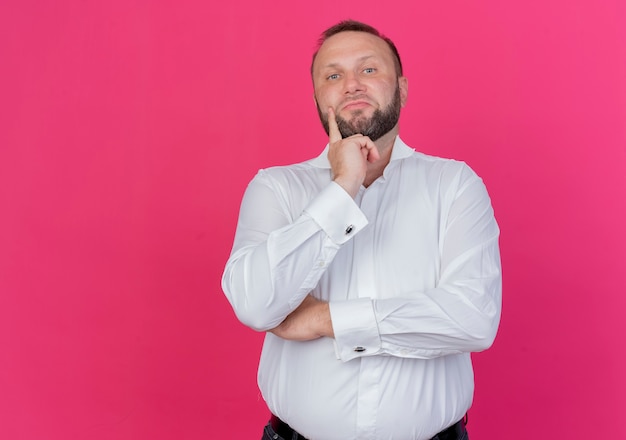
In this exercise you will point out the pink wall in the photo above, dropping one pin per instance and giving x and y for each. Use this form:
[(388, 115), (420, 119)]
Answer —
[(129, 130)]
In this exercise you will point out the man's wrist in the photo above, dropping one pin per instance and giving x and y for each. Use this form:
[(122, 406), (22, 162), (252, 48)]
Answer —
[(325, 322), (349, 186)]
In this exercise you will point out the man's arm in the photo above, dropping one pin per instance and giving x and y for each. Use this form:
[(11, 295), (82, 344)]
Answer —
[(311, 320), (348, 158), (460, 313), (276, 259)]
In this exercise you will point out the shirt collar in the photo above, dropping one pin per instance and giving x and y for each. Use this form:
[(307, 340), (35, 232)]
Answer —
[(400, 150)]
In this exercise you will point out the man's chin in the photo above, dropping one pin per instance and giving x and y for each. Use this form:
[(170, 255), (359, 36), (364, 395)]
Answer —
[(358, 126)]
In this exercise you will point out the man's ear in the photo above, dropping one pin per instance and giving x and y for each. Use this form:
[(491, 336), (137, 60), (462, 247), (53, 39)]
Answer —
[(403, 84)]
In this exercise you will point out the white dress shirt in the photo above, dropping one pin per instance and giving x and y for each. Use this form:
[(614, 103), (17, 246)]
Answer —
[(411, 269)]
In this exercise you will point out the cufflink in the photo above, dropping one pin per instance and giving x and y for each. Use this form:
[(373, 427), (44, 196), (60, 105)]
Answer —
[(359, 349), (349, 229)]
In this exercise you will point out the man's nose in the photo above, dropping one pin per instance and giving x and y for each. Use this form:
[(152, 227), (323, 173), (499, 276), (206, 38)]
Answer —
[(353, 84)]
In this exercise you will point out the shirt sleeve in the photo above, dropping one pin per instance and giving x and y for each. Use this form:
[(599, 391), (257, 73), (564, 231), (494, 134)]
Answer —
[(278, 258), (460, 314)]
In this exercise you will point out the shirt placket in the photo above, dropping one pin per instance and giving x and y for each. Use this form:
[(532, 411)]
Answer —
[(368, 396)]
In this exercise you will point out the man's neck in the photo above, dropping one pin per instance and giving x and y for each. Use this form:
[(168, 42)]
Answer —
[(385, 147)]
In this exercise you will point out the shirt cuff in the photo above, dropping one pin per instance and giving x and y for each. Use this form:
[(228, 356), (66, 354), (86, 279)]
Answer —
[(337, 213), (355, 328)]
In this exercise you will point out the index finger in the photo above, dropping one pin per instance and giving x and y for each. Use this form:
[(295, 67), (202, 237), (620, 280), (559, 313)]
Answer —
[(334, 134)]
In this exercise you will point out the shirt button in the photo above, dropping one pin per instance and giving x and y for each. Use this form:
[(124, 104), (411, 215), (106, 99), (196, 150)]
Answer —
[(349, 229), (359, 349)]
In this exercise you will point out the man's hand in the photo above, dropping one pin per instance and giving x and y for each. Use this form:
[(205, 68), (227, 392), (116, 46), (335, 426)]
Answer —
[(311, 320), (348, 157)]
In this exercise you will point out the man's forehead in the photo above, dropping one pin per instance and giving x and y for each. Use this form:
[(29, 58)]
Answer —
[(332, 63), (362, 44)]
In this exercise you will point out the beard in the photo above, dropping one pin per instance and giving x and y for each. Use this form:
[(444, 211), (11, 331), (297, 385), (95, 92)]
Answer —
[(374, 127)]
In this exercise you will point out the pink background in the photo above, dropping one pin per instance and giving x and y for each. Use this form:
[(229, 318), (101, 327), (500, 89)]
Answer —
[(129, 130)]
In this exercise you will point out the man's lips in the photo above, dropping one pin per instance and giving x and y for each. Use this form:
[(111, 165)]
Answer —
[(355, 105)]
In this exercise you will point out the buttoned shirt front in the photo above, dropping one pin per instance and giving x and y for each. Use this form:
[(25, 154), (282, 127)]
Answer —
[(411, 270)]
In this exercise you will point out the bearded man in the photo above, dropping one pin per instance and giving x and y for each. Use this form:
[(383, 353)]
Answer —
[(373, 268)]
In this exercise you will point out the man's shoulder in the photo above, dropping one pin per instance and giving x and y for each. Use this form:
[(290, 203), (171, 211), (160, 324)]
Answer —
[(297, 167), (446, 171), (293, 175)]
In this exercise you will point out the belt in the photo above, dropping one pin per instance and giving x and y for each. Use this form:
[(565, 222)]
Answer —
[(453, 432), (284, 430), (288, 433)]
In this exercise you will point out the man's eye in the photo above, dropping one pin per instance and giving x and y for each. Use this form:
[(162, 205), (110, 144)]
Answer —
[(333, 76), (369, 70)]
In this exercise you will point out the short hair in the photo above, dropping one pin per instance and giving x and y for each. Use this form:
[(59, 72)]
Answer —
[(357, 26)]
